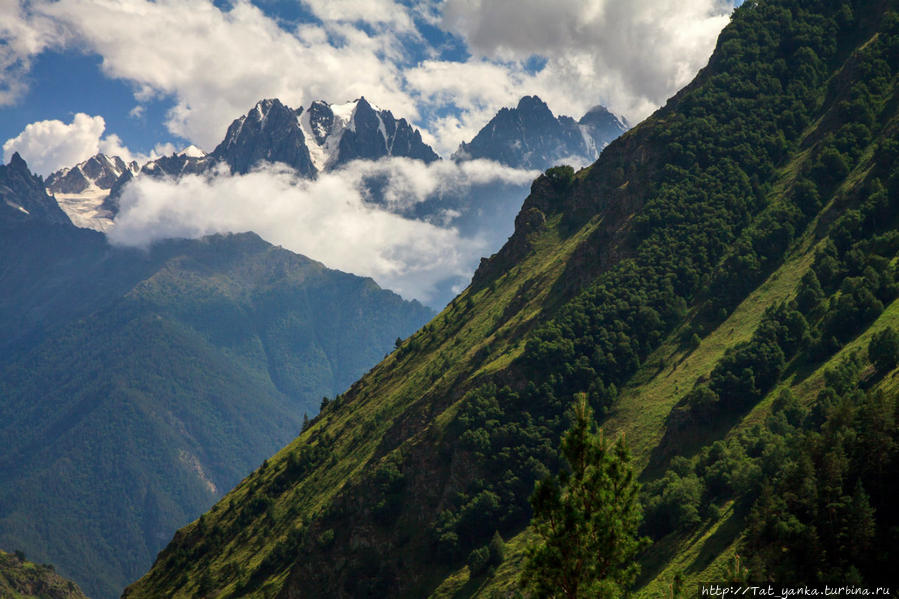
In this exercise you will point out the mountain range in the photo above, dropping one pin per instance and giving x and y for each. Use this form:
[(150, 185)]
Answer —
[(720, 286), (139, 385), (530, 136), (325, 137), (196, 359), (319, 139)]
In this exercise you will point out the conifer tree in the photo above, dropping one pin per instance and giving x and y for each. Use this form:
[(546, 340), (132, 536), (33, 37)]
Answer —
[(586, 519)]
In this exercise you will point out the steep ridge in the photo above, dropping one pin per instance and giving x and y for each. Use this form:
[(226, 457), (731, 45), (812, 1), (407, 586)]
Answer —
[(138, 385), (655, 283), (189, 161), (24, 198)]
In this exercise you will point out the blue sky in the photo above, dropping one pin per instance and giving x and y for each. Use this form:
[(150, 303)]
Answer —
[(141, 78), (162, 74), (64, 82)]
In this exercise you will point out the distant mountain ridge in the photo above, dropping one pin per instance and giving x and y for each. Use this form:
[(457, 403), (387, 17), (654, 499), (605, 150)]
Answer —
[(324, 137), (310, 141), (138, 385), (99, 171), (530, 136)]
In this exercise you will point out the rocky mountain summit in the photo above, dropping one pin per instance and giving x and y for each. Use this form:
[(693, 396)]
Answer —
[(530, 136), (81, 190), (23, 196), (325, 137), (319, 139), (270, 132), (310, 141), (98, 171)]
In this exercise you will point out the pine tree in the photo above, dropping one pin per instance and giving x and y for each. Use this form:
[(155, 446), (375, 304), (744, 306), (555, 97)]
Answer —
[(586, 519), (497, 549), (809, 294)]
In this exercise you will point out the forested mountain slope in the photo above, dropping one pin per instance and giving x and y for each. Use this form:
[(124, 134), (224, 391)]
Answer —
[(138, 386), (705, 283)]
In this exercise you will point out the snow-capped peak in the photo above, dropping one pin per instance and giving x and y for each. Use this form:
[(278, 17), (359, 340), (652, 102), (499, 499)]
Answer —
[(80, 190), (192, 151), (318, 138), (323, 125), (99, 171), (344, 116)]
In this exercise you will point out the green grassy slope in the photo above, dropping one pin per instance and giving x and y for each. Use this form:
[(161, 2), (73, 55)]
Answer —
[(346, 442), (641, 281)]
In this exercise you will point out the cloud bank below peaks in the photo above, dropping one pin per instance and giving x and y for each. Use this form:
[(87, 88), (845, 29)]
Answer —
[(327, 219)]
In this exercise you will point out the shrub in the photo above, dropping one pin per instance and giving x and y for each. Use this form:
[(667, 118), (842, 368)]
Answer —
[(883, 350), (478, 561)]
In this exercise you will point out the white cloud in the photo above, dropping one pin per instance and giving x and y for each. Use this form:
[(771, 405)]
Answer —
[(48, 146), (21, 38), (478, 88), (409, 181), (631, 56), (327, 219), (217, 64)]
